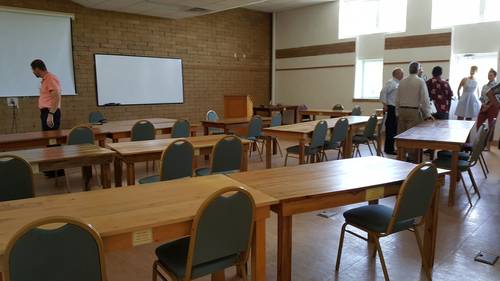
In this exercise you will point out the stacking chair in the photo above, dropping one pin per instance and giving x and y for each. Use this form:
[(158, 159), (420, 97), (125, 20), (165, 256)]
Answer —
[(276, 121), (337, 138), (356, 110), (367, 137), (315, 148), (181, 129), (304, 118), (143, 130), (96, 117), (17, 178), (409, 212), (220, 238), (73, 251), (255, 135), (212, 116), (338, 106), (466, 165), (82, 135), (176, 162), (226, 157)]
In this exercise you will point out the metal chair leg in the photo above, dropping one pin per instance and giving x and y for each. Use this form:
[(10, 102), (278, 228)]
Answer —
[(286, 159), (482, 167), (67, 181), (465, 188), (481, 156), (338, 155), (369, 147), (358, 151), (341, 245), (382, 260), (420, 249), (476, 189)]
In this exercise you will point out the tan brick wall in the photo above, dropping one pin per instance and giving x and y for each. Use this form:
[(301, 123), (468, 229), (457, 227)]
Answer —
[(206, 44)]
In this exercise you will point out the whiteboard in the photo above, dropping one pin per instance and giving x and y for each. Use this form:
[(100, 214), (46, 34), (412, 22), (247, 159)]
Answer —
[(27, 36), (129, 80)]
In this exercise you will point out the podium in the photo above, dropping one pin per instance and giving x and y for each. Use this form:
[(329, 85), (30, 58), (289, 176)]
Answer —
[(238, 106)]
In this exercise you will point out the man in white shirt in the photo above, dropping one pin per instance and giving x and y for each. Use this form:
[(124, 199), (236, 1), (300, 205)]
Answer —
[(388, 99)]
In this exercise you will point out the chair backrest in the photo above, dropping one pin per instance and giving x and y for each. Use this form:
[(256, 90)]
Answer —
[(177, 160), (340, 131), (181, 129), (319, 134), (80, 135), (479, 144), (212, 116), (72, 251), (371, 125), (222, 228), (255, 127), (143, 130), (338, 106), (96, 117), (276, 120), (227, 155), (356, 110), (17, 178), (415, 195)]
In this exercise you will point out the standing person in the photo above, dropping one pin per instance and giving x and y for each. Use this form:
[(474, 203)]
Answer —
[(440, 93), (468, 103), (490, 97), (388, 99)]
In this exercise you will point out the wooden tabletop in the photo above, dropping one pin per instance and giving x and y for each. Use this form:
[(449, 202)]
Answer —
[(232, 121), (122, 210), (449, 131), (29, 136), (325, 111), (158, 145), (326, 177), (308, 127), (131, 122)]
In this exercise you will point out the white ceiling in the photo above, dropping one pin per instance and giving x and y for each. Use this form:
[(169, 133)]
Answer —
[(177, 9)]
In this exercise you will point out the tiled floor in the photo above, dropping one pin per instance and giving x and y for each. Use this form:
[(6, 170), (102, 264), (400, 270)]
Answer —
[(463, 231)]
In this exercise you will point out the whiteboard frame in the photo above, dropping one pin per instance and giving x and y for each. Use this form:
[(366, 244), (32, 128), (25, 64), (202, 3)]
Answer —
[(141, 56)]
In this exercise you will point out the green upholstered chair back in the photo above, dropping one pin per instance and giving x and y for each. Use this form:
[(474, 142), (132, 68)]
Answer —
[(338, 106), (276, 120), (177, 160), (255, 127), (96, 117), (81, 135), (356, 110), (371, 125), (17, 178), (143, 130), (319, 135), (415, 195), (227, 155), (479, 144), (223, 226), (340, 131), (181, 129), (72, 251), (212, 116)]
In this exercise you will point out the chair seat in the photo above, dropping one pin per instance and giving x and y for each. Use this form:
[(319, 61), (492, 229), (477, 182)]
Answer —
[(207, 171), (445, 163), (375, 218), (359, 139), (332, 145), (150, 179), (446, 153), (173, 256), (307, 150)]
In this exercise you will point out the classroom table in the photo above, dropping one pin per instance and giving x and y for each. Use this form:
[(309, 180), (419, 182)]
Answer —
[(319, 186), (302, 132), (140, 151), (325, 112), (269, 109), (229, 123), (68, 156), (129, 217), (437, 135)]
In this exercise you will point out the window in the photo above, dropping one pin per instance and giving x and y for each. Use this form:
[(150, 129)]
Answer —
[(358, 17), (447, 13), (368, 81)]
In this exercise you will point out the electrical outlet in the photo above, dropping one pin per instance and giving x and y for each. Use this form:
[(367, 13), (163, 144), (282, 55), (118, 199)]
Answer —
[(13, 102)]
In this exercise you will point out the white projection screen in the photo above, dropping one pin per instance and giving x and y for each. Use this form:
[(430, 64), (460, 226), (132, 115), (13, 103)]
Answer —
[(28, 35), (134, 80)]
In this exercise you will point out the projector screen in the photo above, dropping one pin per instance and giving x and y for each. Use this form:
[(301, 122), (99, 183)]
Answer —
[(133, 80), (26, 36)]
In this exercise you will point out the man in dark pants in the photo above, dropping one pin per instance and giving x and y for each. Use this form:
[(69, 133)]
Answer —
[(388, 98)]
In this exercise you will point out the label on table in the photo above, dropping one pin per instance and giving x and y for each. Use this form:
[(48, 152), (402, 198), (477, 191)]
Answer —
[(374, 193), (142, 237), (196, 152), (52, 141), (35, 168), (158, 132)]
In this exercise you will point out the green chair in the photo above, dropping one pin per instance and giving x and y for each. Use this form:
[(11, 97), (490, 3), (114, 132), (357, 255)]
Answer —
[(338, 106), (81, 135), (226, 157), (17, 178), (276, 121), (315, 148), (73, 251), (213, 116), (220, 238), (337, 137), (143, 130), (466, 165), (254, 135), (96, 118), (412, 205), (176, 162), (356, 110), (367, 136), (181, 129)]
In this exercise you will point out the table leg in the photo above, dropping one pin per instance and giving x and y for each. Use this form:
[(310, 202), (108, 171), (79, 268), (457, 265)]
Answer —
[(106, 175), (284, 248), (205, 130), (102, 142), (347, 150), (244, 158), (302, 149), (259, 251), (130, 174), (87, 175), (118, 172), (430, 232), (268, 152), (275, 146), (453, 178), (371, 238)]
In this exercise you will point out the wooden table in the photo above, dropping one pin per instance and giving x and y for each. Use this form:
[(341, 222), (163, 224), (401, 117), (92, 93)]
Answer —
[(230, 123), (129, 217), (439, 135), (326, 112), (141, 151), (68, 156), (269, 109), (307, 188), (302, 133)]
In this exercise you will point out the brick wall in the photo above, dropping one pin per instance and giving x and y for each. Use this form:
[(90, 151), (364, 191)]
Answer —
[(206, 44)]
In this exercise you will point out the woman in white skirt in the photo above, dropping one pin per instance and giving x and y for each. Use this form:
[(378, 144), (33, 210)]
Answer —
[(468, 104)]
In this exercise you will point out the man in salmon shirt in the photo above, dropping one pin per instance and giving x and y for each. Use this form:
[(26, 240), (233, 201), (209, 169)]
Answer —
[(49, 101)]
